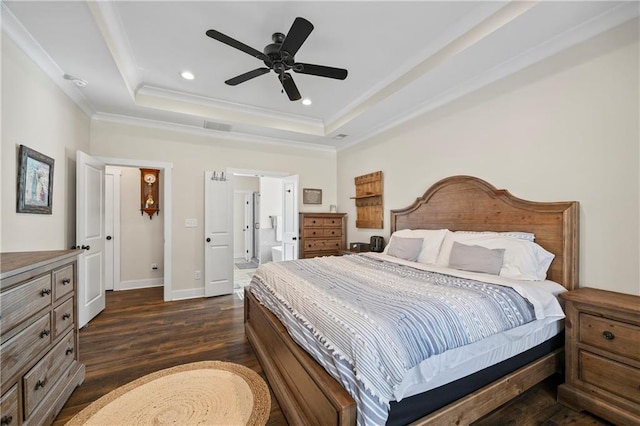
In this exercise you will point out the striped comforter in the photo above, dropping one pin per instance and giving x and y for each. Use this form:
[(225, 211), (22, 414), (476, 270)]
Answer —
[(369, 321)]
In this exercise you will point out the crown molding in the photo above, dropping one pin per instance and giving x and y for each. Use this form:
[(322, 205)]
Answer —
[(217, 134), (227, 112), (14, 29)]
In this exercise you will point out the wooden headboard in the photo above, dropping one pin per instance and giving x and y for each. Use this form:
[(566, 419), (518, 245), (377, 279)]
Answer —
[(466, 203)]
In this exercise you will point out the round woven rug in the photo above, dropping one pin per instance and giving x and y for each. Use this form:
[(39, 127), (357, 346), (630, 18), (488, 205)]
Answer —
[(201, 393)]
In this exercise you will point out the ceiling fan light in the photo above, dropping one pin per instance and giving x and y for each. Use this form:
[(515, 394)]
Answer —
[(187, 75), (306, 101)]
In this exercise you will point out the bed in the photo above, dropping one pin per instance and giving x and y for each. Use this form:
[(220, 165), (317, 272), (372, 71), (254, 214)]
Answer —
[(308, 394)]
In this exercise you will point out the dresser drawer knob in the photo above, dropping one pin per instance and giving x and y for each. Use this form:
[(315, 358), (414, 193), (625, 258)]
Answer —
[(44, 333), (69, 351), (66, 316), (41, 383), (608, 335), (45, 291), (6, 420), (66, 281)]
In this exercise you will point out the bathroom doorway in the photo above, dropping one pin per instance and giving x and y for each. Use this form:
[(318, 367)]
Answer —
[(260, 224)]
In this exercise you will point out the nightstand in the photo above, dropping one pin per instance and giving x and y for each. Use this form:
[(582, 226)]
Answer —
[(602, 350)]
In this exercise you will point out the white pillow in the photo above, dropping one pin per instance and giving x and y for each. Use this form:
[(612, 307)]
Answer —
[(431, 242), (522, 235), (463, 236), (523, 260)]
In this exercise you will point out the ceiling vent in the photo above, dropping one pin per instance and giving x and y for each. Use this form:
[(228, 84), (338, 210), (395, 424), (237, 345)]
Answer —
[(221, 127)]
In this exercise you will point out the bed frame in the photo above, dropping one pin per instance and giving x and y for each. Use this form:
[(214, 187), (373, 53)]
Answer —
[(308, 395)]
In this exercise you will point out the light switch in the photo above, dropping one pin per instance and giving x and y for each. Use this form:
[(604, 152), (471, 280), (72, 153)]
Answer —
[(191, 223)]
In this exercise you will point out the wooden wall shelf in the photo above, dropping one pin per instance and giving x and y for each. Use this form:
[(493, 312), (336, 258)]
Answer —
[(369, 200)]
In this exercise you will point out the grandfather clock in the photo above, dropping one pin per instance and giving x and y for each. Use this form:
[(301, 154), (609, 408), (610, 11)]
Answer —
[(149, 199)]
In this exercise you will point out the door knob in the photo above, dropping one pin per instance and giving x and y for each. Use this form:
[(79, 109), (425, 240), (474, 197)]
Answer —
[(85, 247), (108, 237), (208, 240)]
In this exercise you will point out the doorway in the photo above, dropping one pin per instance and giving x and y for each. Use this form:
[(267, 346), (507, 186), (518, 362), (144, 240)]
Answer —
[(266, 208), (162, 241), (134, 239)]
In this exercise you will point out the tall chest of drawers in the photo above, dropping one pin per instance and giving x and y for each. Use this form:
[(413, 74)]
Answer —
[(602, 354), (322, 234), (39, 335)]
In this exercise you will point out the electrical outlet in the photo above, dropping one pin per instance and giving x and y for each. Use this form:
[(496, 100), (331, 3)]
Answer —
[(154, 266), (197, 275)]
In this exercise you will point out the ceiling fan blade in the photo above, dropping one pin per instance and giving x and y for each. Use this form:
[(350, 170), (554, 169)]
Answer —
[(298, 33), (290, 87), (321, 70), (247, 76), (216, 35)]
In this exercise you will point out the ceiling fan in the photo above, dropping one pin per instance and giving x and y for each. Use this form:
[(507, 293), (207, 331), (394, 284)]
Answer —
[(279, 56)]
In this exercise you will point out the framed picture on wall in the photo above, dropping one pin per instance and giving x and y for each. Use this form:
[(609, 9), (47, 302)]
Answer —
[(311, 196), (35, 182)]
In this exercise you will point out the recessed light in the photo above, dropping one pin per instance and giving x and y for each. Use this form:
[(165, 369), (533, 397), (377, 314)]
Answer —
[(187, 75), (75, 80), (306, 102)]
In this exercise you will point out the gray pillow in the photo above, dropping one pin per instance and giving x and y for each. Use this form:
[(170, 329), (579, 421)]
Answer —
[(405, 248), (476, 258)]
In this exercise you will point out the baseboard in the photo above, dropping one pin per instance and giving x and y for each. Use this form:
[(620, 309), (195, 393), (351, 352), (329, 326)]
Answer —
[(187, 294), (133, 284)]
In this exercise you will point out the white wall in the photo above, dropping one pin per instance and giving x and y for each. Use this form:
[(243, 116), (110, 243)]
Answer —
[(565, 129), (270, 200), (193, 154), (142, 239), (36, 113)]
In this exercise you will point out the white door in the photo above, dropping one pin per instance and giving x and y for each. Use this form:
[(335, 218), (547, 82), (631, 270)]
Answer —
[(218, 230), (290, 217), (247, 227), (90, 236)]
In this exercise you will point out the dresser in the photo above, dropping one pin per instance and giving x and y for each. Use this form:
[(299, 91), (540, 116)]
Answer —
[(602, 353), (39, 341), (322, 234)]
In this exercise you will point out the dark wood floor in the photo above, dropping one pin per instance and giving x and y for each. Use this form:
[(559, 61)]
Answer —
[(138, 334)]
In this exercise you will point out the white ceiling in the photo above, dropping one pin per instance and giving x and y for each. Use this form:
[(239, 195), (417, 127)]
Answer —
[(403, 58)]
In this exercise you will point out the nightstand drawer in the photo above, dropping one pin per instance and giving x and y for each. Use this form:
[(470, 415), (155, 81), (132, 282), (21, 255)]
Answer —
[(611, 335), (617, 378)]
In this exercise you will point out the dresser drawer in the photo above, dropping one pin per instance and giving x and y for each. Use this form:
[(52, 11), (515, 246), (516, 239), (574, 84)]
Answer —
[(322, 245), (311, 222), (63, 280), (63, 317), (611, 335), (23, 346), (331, 222), (322, 232), (44, 375), (612, 376), (9, 407), (21, 302)]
